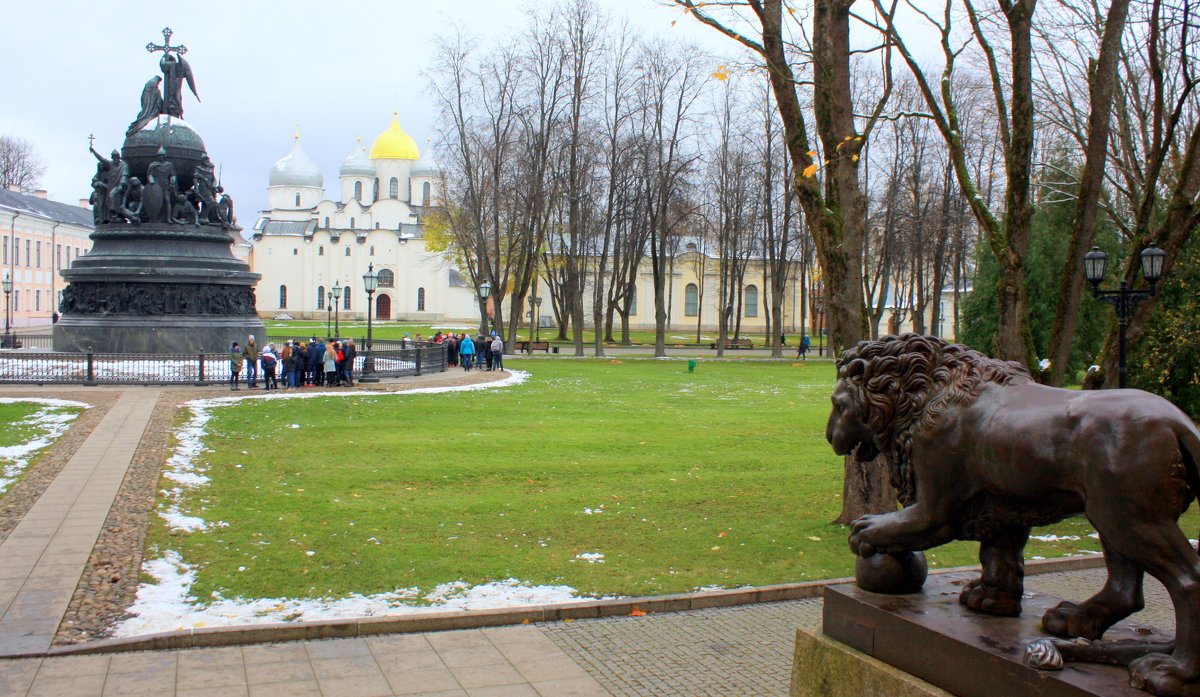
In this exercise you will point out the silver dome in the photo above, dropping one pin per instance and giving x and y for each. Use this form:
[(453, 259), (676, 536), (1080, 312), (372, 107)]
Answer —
[(358, 164), (296, 169)]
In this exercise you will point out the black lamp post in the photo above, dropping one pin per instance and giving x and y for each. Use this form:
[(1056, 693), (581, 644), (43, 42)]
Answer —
[(337, 298), (484, 291), (537, 318), (7, 285), (328, 313), (370, 283), (1124, 299)]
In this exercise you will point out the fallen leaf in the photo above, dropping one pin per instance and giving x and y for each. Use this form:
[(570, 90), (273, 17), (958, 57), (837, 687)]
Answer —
[(814, 539), (637, 612)]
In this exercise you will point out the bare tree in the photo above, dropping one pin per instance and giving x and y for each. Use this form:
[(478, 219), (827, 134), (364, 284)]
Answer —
[(19, 165)]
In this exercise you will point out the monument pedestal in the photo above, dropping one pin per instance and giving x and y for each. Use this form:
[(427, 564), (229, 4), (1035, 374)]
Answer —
[(931, 637)]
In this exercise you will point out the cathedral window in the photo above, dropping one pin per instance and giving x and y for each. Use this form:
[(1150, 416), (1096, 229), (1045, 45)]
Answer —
[(295, 252), (393, 188), (352, 223), (282, 297), (346, 298), (297, 200), (425, 194), (320, 297), (386, 278), (752, 301), (326, 222), (372, 251), (420, 300), (691, 300), (347, 251), (376, 226), (320, 251), (358, 190)]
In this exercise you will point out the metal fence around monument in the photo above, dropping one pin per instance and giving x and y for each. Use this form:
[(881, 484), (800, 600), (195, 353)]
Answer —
[(30, 367)]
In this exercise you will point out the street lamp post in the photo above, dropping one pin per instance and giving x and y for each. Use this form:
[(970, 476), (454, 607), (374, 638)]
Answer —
[(370, 283), (337, 298), (537, 318), (7, 285), (484, 291), (1125, 298), (328, 313)]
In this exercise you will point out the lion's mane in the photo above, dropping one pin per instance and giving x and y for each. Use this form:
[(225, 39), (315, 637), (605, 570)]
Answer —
[(908, 383)]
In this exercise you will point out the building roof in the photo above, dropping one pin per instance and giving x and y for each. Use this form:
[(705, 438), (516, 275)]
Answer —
[(394, 144), (46, 209), (358, 164), (426, 166), (298, 228), (296, 169)]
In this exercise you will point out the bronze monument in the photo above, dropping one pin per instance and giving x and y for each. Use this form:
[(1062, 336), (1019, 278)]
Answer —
[(979, 451)]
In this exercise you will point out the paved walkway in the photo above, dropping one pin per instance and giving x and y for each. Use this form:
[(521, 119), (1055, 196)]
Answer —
[(43, 558), (737, 651)]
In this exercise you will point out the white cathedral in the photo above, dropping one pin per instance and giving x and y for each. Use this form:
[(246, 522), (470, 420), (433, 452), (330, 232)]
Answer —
[(306, 244)]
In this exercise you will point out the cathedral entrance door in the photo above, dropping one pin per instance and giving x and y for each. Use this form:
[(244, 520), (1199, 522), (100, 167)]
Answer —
[(383, 307)]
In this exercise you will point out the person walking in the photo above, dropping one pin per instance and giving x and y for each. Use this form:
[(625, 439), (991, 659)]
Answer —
[(269, 362), (288, 364), (350, 352), (466, 351), (482, 354), (236, 361), (802, 352), (451, 343), (497, 353), (250, 352), (330, 364)]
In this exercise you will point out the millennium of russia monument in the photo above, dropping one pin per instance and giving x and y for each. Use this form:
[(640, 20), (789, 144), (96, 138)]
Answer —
[(161, 276)]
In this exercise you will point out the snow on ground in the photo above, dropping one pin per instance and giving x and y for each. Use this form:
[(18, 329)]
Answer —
[(134, 369), (167, 604), (48, 424)]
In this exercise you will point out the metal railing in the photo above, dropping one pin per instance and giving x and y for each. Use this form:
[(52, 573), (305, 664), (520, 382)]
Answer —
[(180, 369)]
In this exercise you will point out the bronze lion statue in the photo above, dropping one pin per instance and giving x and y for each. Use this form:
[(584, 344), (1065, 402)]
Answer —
[(979, 451)]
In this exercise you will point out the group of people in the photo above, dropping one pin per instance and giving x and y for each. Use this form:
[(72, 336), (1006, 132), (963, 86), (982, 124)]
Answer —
[(472, 352), (313, 363)]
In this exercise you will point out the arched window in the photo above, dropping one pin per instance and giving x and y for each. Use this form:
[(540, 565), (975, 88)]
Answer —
[(386, 278), (297, 200), (420, 300), (320, 297), (347, 251), (320, 251), (393, 188), (375, 190), (352, 223), (691, 300), (425, 188), (282, 297), (376, 226), (326, 222), (358, 190), (346, 297), (633, 300), (752, 301)]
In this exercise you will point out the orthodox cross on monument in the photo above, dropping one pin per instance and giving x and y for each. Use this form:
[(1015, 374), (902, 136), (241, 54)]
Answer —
[(175, 70), (166, 45)]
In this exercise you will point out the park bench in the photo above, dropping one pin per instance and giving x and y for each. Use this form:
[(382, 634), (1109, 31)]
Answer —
[(735, 344), (523, 346)]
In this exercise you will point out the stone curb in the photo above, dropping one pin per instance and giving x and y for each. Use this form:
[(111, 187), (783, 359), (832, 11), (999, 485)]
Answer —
[(475, 619)]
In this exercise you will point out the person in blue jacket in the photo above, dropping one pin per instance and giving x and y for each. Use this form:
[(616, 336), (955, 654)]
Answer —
[(316, 362), (466, 351)]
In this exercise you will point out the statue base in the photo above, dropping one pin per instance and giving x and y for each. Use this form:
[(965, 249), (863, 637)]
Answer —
[(155, 334), (825, 668), (934, 638)]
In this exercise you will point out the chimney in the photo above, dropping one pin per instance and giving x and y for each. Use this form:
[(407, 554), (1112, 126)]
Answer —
[(14, 187), (85, 204), (41, 193)]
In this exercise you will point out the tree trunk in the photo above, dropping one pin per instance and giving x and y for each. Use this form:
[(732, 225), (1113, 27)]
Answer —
[(866, 489)]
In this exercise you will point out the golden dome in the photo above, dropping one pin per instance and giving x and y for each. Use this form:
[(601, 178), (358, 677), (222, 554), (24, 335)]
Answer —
[(394, 144)]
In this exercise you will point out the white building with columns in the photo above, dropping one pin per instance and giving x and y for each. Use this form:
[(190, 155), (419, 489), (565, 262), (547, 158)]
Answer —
[(305, 243)]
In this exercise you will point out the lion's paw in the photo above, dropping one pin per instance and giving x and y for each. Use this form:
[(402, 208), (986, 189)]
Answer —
[(1164, 676), (990, 599), (1072, 620)]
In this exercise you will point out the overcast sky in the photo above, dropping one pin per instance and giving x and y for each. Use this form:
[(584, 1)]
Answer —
[(73, 68), (340, 69)]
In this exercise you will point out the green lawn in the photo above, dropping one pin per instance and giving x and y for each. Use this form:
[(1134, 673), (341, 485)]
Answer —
[(681, 481), (29, 430)]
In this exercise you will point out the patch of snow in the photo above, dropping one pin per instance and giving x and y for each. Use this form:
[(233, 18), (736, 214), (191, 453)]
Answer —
[(591, 557), (1054, 538), (168, 604), (47, 425)]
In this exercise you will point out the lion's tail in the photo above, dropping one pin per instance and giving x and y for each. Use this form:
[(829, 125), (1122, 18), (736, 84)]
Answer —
[(1189, 445)]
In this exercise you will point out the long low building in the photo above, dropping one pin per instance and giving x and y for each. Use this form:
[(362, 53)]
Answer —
[(39, 237)]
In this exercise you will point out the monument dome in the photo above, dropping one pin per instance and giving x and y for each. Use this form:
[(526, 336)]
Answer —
[(357, 164)]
